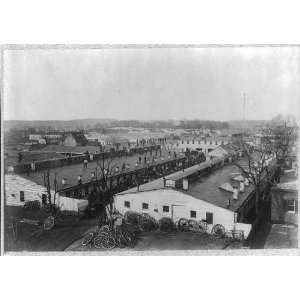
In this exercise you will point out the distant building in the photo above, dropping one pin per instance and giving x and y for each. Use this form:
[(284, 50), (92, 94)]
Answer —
[(74, 139), (205, 146), (225, 150)]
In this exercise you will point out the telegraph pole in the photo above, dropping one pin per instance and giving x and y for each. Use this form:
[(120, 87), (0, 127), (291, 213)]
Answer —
[(244, 106), (244, 119)]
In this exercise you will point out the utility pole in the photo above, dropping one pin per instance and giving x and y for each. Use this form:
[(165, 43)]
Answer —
[(244, 107), (244, 120)]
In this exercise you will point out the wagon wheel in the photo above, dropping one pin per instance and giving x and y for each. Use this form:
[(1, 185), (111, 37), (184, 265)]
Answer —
[(103, 229), (129, 238), (99, 239), (108, 242), (88, 239), (202, 227), (218, 230), (193, 225), (48, 223), (119, 239), (183, 224)]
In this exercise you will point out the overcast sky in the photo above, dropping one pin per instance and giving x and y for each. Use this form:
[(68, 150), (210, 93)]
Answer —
[(153, 83)]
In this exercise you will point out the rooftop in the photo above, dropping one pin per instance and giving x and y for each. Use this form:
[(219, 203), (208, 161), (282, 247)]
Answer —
[(206, 188), (71, 172), (288, 181)]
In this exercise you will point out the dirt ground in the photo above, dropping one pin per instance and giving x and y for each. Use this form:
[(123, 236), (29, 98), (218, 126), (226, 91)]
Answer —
[(32, 238), (156, 240)]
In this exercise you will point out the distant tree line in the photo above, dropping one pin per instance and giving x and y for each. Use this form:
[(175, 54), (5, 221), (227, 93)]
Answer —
[(185, 124)]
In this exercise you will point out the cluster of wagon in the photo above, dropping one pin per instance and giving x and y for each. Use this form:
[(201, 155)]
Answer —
[(132, 224)]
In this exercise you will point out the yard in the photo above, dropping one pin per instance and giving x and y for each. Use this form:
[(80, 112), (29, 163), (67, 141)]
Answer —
[(32, 238), (156, 240)]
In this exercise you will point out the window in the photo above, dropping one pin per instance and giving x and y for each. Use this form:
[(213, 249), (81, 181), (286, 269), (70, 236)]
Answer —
[(187, 141), (145, 205), (127, 204), (193, 214), (209, 218), (290, 205), (22, 196), (165, 208)]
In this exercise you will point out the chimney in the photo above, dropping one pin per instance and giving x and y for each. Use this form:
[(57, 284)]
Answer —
[(242, 186), (246, 181), (164, 179), (185, 184), (229, 202), (235, 193), (64, 181)]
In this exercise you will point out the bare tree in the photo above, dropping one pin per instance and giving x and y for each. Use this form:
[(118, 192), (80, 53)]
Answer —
[(47, 184), (280, 138), (105, 172), (256, 166)]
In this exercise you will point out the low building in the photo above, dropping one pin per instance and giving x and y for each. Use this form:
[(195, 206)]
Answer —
[(205, 146), (18, 190), (228, 150), (209, 192)]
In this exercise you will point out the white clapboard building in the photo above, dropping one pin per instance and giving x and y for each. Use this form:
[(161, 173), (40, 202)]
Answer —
[(18, 190), (212, 191)]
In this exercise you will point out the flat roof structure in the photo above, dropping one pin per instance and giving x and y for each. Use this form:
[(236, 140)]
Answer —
[(71, 172), (205, 187)]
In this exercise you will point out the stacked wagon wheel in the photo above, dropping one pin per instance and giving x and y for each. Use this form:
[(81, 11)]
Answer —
[(183, 224), (218, 230), (166, 224), (104, 240), (129, 238), (133, 218), (193, 225), (148, 223), (202, 227)]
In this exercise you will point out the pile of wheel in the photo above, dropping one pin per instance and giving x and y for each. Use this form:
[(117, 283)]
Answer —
[(148, 223), (105, 238), (192, 225), (218, 230), (166, 224)]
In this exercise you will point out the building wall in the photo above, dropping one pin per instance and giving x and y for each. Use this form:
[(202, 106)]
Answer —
[(196, 144), (33, 192), (279, 213), (35, 136), (219, 152), (180, 205), (70, 141)]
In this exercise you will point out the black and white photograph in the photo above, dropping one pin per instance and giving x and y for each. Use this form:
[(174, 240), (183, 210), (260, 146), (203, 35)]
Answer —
[(114, 149)]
